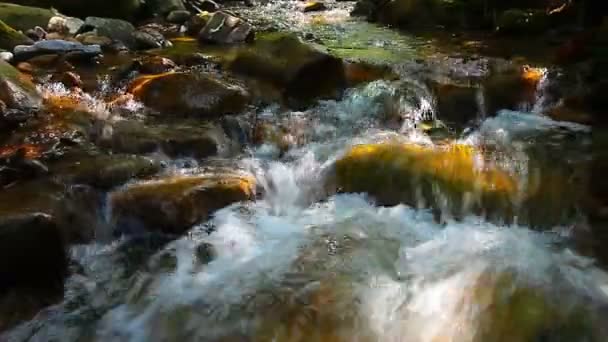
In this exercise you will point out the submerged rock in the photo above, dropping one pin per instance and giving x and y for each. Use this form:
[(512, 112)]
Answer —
[(23, 18), (33, 266), (16, 91), (301, 71), (9, 37), (224, 28), (149, 38), (189, 94), (173, 205), (59, 47)]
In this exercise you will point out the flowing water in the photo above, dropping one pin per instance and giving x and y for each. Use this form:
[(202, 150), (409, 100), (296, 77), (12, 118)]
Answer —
[(302, 264)]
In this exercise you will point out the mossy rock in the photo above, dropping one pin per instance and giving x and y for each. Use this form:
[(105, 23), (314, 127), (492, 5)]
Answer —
[(417, 13), (189, 94), (301, 71), (445, 178), (173, 205), (16, 90), (123, 9), (23, 18), (9, 37)]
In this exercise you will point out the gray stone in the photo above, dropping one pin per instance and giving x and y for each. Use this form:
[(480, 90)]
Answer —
[(179, 16), (55, 46), (224, 28), (114, 29), (149, 38)]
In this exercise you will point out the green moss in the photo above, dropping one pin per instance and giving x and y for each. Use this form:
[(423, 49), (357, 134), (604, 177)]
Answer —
[(24, 17), (9, 38)]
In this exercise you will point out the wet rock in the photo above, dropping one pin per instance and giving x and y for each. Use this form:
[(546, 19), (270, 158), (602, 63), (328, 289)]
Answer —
[(444, 177), (16, 91), (314, 6), (91, 38), (65, 25), (156, 65), (105, 171), (59, 47), (518, 21), (69, 79), (292, 66), (209, 6), (33, 263), (205, 253), (11, 118), (173, 205), (409, 13), (179, 16), (224, 28), (36, 34), (195, 24), (23, 18), (359, 72), (9, 37), (457, 103), (115, 29), (149, 38), (16, 166), (188, 139), (189, 94)]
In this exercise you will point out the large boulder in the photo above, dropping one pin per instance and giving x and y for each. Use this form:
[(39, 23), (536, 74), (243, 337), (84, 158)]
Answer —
[(173, 205), (9, 37), (16, 91), (23, 18), (115, 29), (189, 94), (444, 178), (124, 9), (301, 71)]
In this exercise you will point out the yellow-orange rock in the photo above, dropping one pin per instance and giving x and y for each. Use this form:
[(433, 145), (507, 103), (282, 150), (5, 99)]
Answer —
[(173, 205)]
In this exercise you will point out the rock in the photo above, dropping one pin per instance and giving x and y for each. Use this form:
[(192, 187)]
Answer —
[(59, 47), (36, 241), (188, 139), (23, 18), (179, 16), (189, 94), (16, 91), (209, 6), (224, 28), (195, 24), (457, 103), (9, 38), (33, 265), (149, 38), (292, 66), (91, 38), (36, 34), (173, 205), (115, 29), (65, 25), (445, 178), (517, 21), (123, 9), (105, 171), (163, 7), (410, 13), (69, 79), (156, 65), (6, 56), (314, 6)]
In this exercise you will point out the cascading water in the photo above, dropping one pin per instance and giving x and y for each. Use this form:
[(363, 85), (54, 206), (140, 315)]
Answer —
[(299, 265)]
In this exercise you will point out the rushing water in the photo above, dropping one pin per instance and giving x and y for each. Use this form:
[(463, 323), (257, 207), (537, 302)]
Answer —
[(299, 264)]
